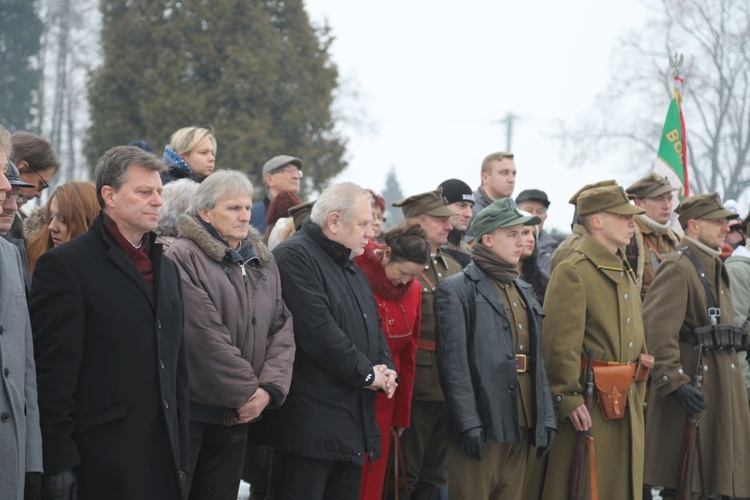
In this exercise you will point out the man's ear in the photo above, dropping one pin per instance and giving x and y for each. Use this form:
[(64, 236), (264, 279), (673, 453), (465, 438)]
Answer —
[(692, 226), (108, 195), (334, 222), (597, 220), (204, 215)]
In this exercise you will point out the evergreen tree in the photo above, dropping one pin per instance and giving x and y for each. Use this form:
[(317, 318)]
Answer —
[(20, 32), (392, 192), (254, 70)]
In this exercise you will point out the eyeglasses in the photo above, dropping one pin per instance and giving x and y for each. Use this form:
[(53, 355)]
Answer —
[(389, 322), (42, 183), (18, 196), (289, 169)]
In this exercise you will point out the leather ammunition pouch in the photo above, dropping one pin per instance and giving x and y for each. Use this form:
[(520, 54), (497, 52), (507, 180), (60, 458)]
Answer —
[(643, 368), (723, 336), (611, 383)]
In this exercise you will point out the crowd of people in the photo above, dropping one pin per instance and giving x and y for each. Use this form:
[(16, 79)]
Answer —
[(167, 331)]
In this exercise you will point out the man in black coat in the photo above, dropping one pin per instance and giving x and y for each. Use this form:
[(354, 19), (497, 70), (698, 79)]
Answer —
[(106, 312), (325, 429), (489, 359)]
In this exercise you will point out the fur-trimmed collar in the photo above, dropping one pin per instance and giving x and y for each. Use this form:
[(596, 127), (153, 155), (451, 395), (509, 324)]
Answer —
[(189, 227), (34, 223), (657, 228), (370, 264)]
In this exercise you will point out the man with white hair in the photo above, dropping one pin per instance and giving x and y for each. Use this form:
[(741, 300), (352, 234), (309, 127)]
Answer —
[(326, 428)]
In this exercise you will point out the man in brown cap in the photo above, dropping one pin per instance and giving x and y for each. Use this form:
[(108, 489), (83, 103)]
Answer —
[(691, 290), (568, 245), (592, 304), (424, 444), (489, 357), (653, 239)]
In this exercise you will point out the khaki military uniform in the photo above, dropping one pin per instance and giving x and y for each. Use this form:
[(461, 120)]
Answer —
[(424, 444), (675, 305), (592, 303)]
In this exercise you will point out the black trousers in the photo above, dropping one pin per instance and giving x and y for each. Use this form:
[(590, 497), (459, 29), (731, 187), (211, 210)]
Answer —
[(303, 478), (216, 456)]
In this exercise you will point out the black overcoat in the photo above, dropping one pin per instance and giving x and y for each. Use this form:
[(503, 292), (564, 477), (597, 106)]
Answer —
[(111, 369), (329, 413)]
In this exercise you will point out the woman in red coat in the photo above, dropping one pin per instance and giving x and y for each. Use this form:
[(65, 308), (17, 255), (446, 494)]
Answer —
[(391, 269)]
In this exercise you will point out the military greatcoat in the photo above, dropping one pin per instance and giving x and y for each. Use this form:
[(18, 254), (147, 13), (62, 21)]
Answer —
[(592, 302), (676, 304)]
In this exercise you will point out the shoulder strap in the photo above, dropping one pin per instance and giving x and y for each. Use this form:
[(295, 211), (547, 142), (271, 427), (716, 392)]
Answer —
[(713, 307)]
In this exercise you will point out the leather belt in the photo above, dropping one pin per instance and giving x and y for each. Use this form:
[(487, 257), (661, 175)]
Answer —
[(426, 345), (523, 363), (596, 362)]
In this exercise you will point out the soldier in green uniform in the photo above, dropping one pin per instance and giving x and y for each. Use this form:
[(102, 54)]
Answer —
[(676, 304), (424, 444), (489, 357), (592, 303)]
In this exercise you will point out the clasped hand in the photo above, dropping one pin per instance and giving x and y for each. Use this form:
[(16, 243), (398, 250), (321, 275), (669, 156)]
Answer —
[(253, 407), (385, 380)]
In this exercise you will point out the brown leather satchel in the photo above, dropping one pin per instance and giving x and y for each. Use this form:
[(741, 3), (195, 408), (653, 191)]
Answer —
[(612, 384)]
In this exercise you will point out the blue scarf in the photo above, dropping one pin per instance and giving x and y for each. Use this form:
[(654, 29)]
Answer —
[(174, 160)]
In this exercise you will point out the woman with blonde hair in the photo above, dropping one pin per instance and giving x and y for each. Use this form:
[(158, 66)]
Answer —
[(191, 154), (68, 213)]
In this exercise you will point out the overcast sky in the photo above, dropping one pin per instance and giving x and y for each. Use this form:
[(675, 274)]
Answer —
[(435, 78)]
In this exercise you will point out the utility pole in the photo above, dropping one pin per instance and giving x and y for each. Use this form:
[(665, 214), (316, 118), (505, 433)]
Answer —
[(508, 122)]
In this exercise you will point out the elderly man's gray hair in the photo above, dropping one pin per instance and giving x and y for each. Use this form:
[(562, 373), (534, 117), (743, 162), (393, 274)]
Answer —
[(219, 184), (341, 198), (176, 196)]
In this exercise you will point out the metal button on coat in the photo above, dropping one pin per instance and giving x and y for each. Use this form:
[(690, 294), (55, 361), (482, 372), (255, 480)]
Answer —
[(5, 416), (510, 356), (166, 404), (161, 364)]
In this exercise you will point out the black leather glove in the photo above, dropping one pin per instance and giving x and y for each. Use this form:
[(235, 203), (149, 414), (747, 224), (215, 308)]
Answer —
[(60, 486), (690, 398), (541, 451), (471, 442), (33, 486)]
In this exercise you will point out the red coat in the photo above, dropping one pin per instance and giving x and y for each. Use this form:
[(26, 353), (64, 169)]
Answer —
[(400, 310)]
